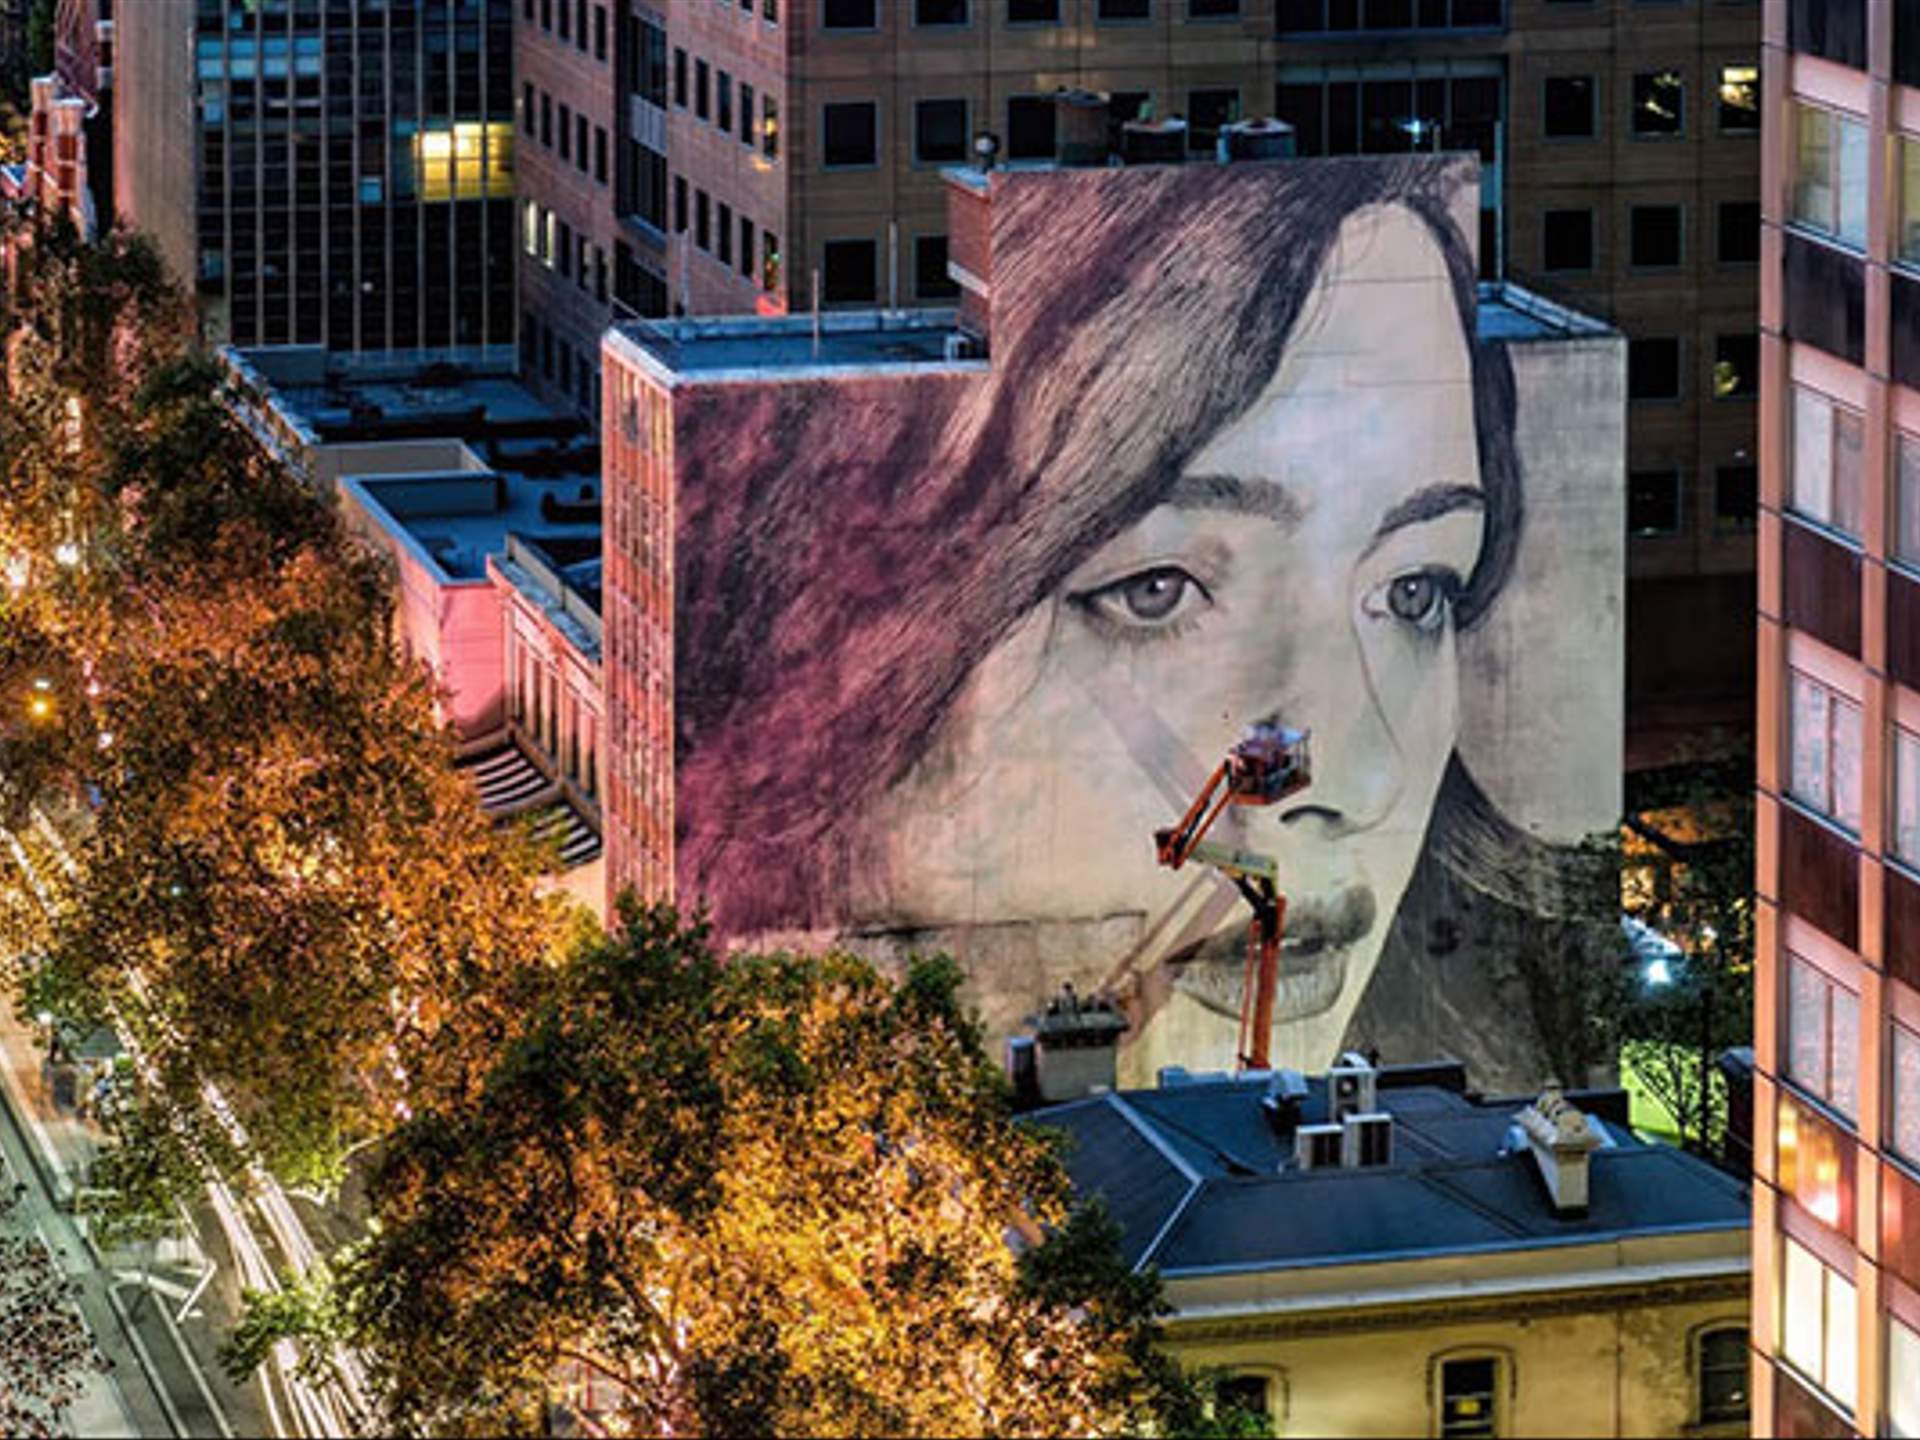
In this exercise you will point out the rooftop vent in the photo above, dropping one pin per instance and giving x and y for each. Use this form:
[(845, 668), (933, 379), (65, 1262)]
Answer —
[(1352, 1087), (1076, 1043), (1562, 1140), (1082, 127), (1319, 1147), (1366, 1140), (1154, 142), (1267, 139)]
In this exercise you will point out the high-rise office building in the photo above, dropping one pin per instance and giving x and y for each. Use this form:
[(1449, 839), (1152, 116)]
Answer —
[(1837, 1027), (333, 172), (717, 156)]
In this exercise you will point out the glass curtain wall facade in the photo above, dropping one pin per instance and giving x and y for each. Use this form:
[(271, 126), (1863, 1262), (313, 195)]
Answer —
[(1836, 1266), (356, 172)]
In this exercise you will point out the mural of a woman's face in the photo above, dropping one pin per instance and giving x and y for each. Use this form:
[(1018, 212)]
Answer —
[(1304, 569)]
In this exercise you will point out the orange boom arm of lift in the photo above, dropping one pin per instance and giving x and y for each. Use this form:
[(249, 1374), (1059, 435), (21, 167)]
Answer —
[(1267, 765)]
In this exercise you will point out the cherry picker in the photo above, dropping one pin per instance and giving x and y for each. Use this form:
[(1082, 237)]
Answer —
[(1266, 765)]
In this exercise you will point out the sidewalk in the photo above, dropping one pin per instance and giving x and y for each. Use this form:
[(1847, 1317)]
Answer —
[(165, 1379)]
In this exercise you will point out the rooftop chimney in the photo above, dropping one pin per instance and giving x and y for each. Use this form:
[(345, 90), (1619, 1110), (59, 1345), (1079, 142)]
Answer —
[(1076, 1046), (1562, 1140)]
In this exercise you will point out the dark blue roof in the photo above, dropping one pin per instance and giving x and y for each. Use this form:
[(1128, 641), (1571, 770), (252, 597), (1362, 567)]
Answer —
[(1199, 1178)]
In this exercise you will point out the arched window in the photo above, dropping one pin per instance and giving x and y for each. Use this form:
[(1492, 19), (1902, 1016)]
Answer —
[(1471, 1392), (1720, 1371)]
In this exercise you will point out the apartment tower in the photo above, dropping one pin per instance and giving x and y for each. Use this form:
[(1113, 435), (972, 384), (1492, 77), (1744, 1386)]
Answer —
[(1837, 1030), (724, 156), (326, 172)]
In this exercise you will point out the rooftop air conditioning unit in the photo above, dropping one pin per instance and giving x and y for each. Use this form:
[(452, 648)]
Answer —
[(1351, 1087), (1366, 1140), (1318, 1147)]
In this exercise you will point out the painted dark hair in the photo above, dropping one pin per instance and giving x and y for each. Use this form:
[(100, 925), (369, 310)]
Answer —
[(848, 552)]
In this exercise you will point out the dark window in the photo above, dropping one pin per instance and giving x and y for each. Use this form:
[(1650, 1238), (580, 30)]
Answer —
[(723, 101), (1567, 107), (1251, 1393), (679, 77), (1826, 298), (939, 12), (1832, 29), (702, 89), (600, 153), (1906, 42), (680, 204), (1212, 9), (1736, 496), (1659, 103), (527, 110), (1736, 367), (1301, 106), (702, 220), (769, 127), (1654, 235), (1468, 1398), (1031, 128), (746, 114), (939, 131), (546, 120), (746, 247), (930, 278), (566, 131), (1125, 9), (1653, 502), (723, 232), (580, 141), (566, 20), (1207, 111), (847, 272), (600, 32), (1033, 12), (1566, 240), (566, 245), (1653, 368), (849, 133), (848, 15), (1739, 238)]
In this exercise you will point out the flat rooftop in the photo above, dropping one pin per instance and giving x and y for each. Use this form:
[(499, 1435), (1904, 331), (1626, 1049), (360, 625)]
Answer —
[(1201, 1180), (449, 457), (760, 347), (880, 342)]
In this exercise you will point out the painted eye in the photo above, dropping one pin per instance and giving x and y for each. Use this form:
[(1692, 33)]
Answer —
[(1420, 598), (1149, 599)]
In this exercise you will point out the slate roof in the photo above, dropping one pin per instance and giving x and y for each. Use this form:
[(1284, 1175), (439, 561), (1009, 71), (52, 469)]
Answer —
[(1199, 1179)]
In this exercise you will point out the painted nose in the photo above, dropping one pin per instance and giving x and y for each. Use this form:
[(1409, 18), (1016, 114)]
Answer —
[(1357, 766)]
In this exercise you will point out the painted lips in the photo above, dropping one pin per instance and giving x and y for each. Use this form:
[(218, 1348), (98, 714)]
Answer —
[(1320, 935)]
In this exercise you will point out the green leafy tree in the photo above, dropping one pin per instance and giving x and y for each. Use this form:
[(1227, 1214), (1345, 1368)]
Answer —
[(1696, 888), (770, 1196)]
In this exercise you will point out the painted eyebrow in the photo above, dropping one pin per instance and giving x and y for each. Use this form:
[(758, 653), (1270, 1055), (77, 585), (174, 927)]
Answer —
[(1424, 505), (1241, 495)]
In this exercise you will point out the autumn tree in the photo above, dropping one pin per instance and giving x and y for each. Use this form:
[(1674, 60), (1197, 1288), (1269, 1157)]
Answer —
[(773, 1195), (281, 883), (46, 1350)]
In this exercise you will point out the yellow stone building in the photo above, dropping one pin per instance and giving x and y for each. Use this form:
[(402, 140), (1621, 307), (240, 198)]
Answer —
[(1382, 1252)]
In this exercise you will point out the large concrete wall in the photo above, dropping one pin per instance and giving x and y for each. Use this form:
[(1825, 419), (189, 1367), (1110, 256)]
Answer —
[(951, 647), (156, 134)]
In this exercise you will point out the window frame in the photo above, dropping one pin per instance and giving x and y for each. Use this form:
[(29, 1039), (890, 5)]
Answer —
[(1634, 219), (1502, 1393), (1678, 479), (1592, 248), (872, 163), (1829, 1277), (1828, 804), (1635, 105), (1720, 102), (1834, 228), (1846, 521), (1826, 1088), (1712, 1330), (920, 159), (1592, 132)]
